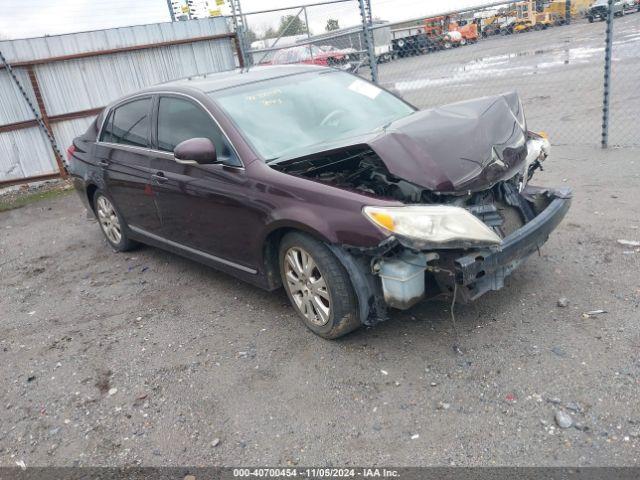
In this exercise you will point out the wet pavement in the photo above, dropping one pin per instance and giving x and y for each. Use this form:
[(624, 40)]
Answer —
[(558, 72)]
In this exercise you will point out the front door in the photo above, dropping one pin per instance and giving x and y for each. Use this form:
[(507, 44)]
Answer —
[(204, 207)]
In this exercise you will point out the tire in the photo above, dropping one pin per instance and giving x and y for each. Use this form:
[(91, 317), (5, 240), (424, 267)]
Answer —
[(332, 313), (590, 19), (111, 223)]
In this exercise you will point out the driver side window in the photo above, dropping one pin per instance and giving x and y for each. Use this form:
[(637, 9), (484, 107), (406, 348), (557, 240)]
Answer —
[(180, 120)]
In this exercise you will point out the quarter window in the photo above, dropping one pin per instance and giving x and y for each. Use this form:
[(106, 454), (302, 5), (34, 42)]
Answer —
[(128, 124), (180, 120)]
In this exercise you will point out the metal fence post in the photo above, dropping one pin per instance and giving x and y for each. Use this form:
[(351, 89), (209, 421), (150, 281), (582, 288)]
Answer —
[(239, 27), (567, 12), (172, 15), (365, 13), (607, 76)]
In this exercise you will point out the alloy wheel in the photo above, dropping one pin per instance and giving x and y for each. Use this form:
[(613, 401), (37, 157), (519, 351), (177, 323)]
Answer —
[(307, 286), (109, 220)]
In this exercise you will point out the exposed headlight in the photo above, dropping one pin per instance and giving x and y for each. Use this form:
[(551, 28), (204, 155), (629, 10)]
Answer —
[(538, 147), (434, 225)]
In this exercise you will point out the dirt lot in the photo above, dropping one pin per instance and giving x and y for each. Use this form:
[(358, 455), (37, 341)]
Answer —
[(147, 358)]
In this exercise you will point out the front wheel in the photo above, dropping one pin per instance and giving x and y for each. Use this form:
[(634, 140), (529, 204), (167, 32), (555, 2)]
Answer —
[(111, 223), (318, 286)]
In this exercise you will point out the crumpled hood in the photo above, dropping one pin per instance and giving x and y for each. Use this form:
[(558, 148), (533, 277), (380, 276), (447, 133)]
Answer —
[(464, 146)]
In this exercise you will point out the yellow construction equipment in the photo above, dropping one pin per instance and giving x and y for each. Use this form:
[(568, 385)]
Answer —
[(526, 17), (541, 14)]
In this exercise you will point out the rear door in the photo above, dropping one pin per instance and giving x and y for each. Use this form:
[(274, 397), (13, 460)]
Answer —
[(202, 206), (124, 154)]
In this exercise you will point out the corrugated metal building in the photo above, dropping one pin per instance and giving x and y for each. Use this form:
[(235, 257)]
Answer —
[(81, 72)]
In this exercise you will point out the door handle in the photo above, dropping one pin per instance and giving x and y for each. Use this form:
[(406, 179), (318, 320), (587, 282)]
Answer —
[(159, 177), (102, 163)]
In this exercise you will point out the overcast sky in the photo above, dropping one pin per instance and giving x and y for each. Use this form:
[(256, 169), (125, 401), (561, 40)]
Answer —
[(33, 18)]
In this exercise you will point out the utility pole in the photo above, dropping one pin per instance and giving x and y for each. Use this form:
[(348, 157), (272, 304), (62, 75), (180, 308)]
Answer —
[(171, 14)]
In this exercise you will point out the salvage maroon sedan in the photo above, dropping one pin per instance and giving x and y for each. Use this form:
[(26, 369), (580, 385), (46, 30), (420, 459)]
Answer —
[(319, 181)]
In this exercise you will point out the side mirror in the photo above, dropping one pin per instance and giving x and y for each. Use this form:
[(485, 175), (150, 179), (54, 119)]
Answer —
[(196, 150)]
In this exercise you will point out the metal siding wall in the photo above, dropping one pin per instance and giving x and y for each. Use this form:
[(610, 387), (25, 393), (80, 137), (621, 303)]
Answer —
[(25, 153), (86, 83), (75, 85), (69, 44), (13, 107), (66, 131)]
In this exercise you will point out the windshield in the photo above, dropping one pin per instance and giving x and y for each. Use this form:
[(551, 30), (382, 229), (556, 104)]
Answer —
[(294, 112)]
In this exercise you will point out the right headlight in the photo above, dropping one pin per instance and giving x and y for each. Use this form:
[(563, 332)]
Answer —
[(435, 226)]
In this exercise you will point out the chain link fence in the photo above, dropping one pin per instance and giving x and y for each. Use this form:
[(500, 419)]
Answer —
[(328, 33), (624, 79), (551, 52)]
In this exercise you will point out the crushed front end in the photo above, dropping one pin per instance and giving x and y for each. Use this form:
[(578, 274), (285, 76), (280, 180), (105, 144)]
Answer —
[(459, 214), (409, 272), (451, 255)]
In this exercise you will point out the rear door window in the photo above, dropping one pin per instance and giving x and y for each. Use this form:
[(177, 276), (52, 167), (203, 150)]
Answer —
[(129, 124), (180, 120)]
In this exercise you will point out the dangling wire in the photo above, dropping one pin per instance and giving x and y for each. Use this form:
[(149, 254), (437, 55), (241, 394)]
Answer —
[(456, 345)]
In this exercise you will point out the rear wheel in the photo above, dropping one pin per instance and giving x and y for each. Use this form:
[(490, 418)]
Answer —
[(318, 286), (111, 223)]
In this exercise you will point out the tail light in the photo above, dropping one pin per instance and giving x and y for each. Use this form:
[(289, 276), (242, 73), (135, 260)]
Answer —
[(70, 151)]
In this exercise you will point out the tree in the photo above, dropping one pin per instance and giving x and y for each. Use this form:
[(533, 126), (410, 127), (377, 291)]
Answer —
[(270, 33), (332, 24), (250, 35), (291, 25)]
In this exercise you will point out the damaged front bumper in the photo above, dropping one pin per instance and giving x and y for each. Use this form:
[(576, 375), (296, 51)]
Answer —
[(485, 270), (399, 275)]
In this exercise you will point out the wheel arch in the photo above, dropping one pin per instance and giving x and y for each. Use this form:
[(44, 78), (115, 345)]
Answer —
[(90, 192), (271, 247)]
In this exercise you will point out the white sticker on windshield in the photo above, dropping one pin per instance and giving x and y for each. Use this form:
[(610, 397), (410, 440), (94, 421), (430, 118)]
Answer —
[(364, 88)]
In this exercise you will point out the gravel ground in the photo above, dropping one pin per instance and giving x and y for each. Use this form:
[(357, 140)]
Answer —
[(148, 358)]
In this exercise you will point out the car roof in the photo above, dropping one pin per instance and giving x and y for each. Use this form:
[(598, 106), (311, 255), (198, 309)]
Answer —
[(211, 82)]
